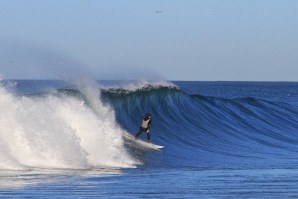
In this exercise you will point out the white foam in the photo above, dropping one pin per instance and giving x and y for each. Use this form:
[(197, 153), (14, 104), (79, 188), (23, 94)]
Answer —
[(136, 85), (59, 132)]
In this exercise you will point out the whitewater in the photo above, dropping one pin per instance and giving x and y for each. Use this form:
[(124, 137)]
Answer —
[(222, 139), (54, 130)]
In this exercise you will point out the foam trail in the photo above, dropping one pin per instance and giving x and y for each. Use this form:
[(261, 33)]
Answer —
[(59, 131)]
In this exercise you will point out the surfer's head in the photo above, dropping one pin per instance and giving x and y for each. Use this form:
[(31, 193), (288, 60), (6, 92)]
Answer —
[(148, 115)]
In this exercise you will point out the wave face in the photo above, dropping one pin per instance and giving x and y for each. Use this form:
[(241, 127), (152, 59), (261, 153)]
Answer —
[(81, 126), (200, 130)]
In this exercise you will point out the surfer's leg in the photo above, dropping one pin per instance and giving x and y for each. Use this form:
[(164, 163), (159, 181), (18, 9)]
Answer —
[(139, 133), (148, 135)]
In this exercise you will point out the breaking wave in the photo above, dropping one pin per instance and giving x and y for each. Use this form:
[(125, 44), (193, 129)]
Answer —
[(57, 130), (81, 127)]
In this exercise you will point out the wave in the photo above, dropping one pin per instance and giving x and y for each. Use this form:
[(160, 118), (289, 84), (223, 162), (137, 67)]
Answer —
[(82, 126), (197, 129), (57, 130)]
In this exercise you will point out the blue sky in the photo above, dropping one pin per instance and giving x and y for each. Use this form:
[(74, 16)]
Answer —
[(254, 40)]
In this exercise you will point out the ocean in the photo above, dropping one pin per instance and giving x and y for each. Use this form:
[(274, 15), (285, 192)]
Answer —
[(63, 139)]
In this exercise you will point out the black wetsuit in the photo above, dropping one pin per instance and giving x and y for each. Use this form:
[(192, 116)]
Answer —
[(145, 128)]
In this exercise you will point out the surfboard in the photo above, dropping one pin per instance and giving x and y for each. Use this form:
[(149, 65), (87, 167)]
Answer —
[(140, 144)]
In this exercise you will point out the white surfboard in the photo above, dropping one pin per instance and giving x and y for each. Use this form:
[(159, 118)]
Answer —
[(137, 143)]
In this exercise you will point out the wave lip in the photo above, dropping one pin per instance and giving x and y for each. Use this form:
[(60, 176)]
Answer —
[(130, 86)]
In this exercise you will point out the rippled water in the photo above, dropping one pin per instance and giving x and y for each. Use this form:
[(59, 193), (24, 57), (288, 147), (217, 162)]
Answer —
[(151, 183)]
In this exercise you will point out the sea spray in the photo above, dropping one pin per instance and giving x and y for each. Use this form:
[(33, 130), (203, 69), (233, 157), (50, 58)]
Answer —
[(59, 131), (130, 86), (108, 134)]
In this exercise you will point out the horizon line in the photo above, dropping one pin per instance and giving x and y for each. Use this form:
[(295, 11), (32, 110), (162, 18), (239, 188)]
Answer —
[(285, 81)]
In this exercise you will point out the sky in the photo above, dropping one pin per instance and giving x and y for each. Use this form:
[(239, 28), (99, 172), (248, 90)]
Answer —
[(201, 40)]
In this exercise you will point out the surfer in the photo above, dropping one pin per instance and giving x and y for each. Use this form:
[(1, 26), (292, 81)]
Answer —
[(145, 127)]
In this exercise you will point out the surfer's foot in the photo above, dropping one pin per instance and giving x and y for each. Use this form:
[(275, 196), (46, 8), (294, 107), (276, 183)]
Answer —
[(148, 141)]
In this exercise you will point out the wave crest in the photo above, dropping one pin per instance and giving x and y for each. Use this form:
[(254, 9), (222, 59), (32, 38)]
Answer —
[(59, 131)]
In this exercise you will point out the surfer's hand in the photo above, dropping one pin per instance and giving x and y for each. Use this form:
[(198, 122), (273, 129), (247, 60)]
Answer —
[(148, 131)]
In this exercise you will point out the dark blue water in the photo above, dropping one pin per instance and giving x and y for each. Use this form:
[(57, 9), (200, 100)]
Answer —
[(222, 140)]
